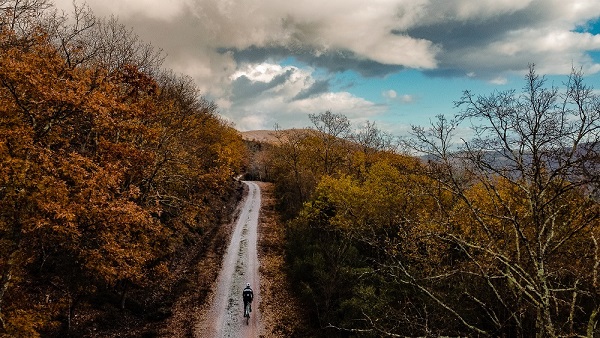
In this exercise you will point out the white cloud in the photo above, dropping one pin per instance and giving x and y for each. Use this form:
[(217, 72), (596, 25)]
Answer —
[(499, 80), (393, 96), (390, 94), (340, 102), (277, 110), (554, 51), (263, 72), (407, 98), (253, 122), (275, 102), (155, 9), (547, 40)]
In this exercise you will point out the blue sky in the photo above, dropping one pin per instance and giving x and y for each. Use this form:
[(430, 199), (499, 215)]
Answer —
[(393, 62)]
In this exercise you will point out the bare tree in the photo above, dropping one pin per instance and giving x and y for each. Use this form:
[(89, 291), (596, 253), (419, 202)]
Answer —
[(372, 140), (21, 15), (527, 184), (85, 39), (290, 162), (333, 130)]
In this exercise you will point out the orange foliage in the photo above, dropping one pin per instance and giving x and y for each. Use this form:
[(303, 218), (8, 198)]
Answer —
[(101, 176)]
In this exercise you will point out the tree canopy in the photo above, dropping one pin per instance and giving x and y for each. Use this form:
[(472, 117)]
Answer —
[(493, 236), (108, 164)]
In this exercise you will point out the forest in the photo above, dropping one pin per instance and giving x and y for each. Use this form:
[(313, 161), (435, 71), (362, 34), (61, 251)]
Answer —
[(437, 235), (111, 167)]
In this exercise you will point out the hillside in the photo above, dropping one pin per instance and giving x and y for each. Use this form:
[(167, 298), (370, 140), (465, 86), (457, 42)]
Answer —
[(265, 136)]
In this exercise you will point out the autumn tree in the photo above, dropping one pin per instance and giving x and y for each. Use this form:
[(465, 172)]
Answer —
[(525, 219), (67, 149), (301, 157), (329, 146), (349, 223), (109, 167), (372, 142), (493, 236), (292, 167)]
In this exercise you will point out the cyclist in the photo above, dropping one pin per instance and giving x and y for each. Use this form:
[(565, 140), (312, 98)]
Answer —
[(247, 295)]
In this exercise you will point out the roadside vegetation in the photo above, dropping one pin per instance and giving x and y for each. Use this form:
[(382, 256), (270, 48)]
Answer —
[(493, 236), (281, 308), (111, 168)]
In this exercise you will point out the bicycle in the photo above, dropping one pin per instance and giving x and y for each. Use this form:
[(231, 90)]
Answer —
[(247, 311)]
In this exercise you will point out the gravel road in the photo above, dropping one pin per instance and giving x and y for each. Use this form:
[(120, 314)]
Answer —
[(240, 266)]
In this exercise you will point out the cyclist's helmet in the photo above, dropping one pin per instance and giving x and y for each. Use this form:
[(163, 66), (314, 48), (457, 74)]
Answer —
[(247, 285)]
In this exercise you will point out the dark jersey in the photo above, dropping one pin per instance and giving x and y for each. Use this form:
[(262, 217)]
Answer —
[(247, 294)]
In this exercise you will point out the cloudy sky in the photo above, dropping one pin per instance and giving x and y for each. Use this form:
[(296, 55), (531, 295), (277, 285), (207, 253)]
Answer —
[(393, 62)]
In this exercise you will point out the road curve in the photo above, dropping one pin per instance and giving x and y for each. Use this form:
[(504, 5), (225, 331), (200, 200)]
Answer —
[(240, 266)]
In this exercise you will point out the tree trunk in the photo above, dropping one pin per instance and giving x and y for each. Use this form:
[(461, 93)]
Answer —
[(591, 327), (124, 295), (6, 279), (544, 327)]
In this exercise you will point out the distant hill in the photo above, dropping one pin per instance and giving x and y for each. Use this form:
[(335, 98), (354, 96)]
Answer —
[(265, 136), (270, 136)]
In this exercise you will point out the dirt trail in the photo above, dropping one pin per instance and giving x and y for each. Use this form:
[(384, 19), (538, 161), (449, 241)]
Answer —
[(240, 266)]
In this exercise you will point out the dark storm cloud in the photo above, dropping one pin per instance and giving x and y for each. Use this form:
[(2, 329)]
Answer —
[(334, 61), (465, 33), (341, 61), (245, 89), (458, 35), (463, 41), (319, 87)]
